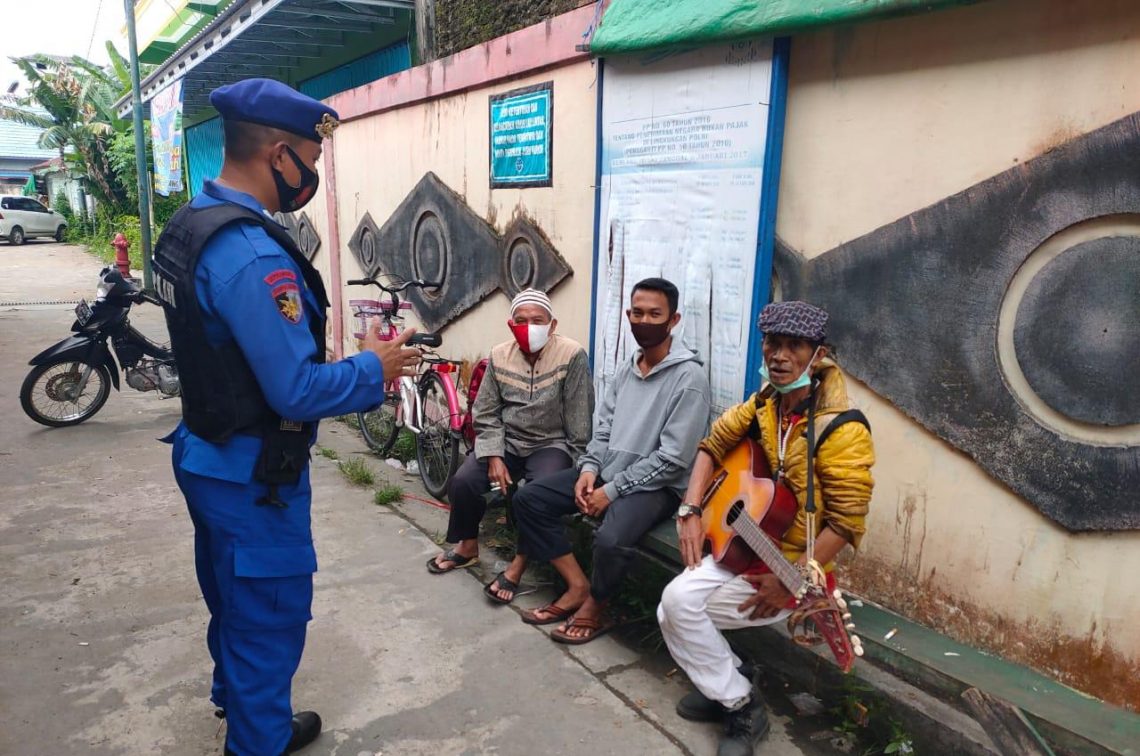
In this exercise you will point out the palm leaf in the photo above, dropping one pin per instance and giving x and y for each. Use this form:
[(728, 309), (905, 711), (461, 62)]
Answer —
[(121, 67), (25, 117)]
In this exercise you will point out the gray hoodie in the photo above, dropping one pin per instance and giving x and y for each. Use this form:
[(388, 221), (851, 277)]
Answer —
[(648, 427)]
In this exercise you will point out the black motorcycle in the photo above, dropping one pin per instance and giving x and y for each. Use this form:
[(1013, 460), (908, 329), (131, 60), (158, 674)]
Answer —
[(72, 380)]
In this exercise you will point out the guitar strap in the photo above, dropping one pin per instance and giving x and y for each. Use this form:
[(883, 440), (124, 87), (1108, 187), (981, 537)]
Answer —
[(809, 504)]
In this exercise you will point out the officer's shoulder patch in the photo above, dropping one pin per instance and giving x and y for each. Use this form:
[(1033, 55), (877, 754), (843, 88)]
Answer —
[(279, 275), (287, 297)]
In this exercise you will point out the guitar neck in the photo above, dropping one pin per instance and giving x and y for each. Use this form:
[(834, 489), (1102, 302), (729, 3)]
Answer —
[(763, 547)]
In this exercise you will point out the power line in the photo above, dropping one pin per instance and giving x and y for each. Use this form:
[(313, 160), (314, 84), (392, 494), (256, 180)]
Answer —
[(94, 27)]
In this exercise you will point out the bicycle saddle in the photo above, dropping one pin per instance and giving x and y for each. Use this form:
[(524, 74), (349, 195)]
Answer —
[(431, 340)]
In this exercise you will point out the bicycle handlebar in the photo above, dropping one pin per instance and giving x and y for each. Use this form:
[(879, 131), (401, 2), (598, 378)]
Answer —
[(394, 289)]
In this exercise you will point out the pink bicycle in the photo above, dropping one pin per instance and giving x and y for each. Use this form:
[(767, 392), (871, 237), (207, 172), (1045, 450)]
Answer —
[(427, 404)]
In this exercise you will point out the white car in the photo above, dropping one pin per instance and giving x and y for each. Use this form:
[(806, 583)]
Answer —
[(23, 218)]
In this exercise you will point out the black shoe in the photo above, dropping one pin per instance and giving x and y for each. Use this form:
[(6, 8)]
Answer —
[(696, 707), (306, 728), (744, 728)]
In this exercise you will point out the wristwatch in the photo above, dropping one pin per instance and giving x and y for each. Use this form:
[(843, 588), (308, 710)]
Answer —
[(687, 509)]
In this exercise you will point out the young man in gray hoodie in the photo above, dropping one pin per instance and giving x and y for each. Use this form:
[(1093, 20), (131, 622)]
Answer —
[(632, 475)]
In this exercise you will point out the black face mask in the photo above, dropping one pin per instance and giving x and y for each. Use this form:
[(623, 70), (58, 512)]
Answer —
[(649, 335), (294, 198)]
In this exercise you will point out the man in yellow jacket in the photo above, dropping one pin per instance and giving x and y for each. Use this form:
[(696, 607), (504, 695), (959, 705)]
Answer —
[(707, 598)]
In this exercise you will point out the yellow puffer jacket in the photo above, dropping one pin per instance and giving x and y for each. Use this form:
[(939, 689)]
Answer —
[(843, 480)]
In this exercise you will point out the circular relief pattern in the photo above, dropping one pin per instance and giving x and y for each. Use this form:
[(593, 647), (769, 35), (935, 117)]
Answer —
[(430, 252), (521, 261), (1068, 332), (307, 239), (368, 248), (1077, 331)]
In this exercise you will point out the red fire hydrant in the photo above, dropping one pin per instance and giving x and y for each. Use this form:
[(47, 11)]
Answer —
[(122, 259)]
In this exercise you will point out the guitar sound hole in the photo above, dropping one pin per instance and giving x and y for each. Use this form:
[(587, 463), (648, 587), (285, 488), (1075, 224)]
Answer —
[(734, 512)]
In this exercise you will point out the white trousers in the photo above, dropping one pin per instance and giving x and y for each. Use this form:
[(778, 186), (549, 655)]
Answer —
[(694, 608)]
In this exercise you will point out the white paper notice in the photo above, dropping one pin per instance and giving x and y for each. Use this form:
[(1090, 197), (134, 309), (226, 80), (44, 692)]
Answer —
[(683, 149)]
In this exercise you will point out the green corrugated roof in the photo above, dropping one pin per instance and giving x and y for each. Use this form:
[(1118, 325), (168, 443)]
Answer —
[(639, 25)]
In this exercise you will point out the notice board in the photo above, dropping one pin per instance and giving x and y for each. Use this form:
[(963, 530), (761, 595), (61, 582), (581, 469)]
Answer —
[(683, 142), (521, 145)]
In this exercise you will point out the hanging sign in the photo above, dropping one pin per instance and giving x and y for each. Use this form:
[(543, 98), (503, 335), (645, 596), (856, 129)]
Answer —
[(166, 136), (520, 137), (683, 140)]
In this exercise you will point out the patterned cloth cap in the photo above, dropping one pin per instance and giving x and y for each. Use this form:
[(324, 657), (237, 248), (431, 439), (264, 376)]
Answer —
[(795, 318), (534, 297)]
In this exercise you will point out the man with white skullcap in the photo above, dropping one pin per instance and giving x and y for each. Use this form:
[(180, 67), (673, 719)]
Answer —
[(532, 417)]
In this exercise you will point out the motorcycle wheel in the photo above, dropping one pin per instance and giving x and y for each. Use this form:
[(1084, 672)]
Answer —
[(381, 426), (44, 394)]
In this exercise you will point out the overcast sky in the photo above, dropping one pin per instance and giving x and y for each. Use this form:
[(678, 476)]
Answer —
[(57, 27)]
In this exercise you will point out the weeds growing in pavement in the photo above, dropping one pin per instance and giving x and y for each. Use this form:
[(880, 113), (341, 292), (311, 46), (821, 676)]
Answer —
[(352, 421), (388, 494), (404, 449), (357, 471), (327, 453)]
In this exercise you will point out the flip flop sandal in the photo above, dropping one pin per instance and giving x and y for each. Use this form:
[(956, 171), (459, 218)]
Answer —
[(553, 612), (458, 562), (505, 584), (596, 630)]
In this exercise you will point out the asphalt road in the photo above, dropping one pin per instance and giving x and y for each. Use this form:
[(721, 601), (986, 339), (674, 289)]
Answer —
[(103, 645)]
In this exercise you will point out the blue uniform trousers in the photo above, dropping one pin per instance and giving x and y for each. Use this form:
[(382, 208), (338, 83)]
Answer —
[(255, 566)]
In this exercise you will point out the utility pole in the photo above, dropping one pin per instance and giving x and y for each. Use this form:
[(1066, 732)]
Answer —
[(140, 145)]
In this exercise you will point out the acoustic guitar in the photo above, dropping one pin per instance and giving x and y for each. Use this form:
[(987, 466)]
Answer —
[(745, 514)]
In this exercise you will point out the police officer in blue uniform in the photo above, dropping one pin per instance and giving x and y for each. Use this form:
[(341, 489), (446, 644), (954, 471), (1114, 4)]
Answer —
[(246, 313)]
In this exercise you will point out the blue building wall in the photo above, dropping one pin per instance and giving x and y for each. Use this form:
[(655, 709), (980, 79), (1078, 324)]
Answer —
[(356, 73), (203, 152)]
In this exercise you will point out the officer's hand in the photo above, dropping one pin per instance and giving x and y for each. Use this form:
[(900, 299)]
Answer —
[(396, 358)]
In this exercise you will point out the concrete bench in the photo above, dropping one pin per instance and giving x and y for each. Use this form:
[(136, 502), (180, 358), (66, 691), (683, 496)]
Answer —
[(939, 667)]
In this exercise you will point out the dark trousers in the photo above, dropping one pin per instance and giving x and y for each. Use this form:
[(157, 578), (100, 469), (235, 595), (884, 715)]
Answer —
[(470, 485), (540, 506)]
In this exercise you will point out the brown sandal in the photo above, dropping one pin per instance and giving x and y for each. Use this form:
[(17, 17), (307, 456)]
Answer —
[(595, 629), (553, 612)]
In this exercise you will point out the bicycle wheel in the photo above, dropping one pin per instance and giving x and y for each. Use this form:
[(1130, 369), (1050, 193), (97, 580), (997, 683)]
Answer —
[(437, 448), (381, 426)]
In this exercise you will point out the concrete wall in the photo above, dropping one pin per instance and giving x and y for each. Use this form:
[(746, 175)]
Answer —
[(884, 119), (380, 157)]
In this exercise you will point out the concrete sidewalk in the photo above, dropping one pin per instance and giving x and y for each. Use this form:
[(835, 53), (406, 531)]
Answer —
[(103, 649)]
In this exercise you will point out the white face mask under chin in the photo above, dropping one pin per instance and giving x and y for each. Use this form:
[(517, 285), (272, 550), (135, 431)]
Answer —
[(799, 383)]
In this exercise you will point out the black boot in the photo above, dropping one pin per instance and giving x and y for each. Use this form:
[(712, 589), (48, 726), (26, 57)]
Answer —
[(306, 728), (744, 728), (697, 707)]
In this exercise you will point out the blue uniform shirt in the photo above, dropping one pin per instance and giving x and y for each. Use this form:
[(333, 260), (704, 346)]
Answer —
[(252, 293)]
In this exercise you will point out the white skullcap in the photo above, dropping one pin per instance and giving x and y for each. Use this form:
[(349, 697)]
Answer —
[(534, 297)]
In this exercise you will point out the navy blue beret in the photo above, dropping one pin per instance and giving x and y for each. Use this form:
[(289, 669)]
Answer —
[(271, 103)]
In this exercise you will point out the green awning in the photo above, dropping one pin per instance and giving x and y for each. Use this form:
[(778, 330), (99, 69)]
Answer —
[(639, 25)]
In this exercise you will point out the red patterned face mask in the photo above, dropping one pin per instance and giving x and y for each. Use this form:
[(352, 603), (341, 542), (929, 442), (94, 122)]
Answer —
[(531, 338)]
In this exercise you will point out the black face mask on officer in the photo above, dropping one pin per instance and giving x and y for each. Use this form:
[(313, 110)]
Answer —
[(292, 198)]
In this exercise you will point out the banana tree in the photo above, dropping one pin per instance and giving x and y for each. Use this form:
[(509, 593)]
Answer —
[(72, 101)]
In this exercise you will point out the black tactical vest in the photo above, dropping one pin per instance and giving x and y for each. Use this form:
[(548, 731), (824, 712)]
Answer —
[(220, 394)]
